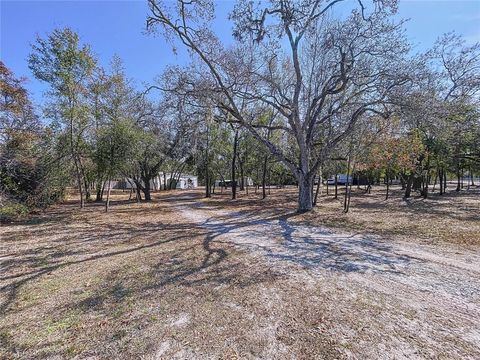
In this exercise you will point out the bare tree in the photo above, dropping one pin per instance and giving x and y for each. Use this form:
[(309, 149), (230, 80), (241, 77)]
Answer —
[(320, 75)]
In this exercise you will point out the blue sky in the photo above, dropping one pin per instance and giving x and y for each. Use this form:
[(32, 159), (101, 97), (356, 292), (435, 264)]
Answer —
[(118, 27)]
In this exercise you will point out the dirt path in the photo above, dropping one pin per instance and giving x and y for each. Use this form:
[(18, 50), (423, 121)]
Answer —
[(389, 299)]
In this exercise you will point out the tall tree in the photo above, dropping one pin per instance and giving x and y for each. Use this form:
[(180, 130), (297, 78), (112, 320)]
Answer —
[(327, 76), (66, 65)]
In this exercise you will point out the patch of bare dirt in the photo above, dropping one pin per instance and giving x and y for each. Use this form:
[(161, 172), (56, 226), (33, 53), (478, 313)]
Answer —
[(185, 278), (453, 218), (399, 299), (143, 281)]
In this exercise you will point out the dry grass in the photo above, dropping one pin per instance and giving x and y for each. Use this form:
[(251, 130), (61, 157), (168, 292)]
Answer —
[(451, 218), (142, 281)]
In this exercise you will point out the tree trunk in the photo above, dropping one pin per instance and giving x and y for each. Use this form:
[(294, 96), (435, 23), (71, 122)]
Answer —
[(345, 200), (369, 183), (444, 181), (304, 194), (264, 177), (348, 186), (388, 183), (349, 195), (234, 157), (170, 181), (425, 187), (99, 197), (103, 190), (207, 185), (408, 188), (85, 182), (242, 180), (75, 160), (458, 178), (318, 188), (146, 189), (88, 196), (440, 180), (80, 185), (107, 203)]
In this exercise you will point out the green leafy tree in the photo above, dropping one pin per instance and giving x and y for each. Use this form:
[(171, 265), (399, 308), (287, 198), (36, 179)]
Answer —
[(66, 65)]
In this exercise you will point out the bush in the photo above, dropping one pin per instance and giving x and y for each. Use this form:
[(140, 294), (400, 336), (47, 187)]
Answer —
[(28, 173), (12, 211)]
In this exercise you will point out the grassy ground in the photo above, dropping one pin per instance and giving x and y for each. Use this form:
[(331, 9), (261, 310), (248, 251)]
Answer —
[(450, 218), (144, 281)]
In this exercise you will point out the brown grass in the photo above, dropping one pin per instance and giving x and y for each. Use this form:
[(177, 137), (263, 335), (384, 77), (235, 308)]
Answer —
[(142, 281), (451, 218)]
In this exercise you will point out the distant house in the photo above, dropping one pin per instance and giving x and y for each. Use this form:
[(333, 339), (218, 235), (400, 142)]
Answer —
[(341, 179), (157, 183), (184, 182)]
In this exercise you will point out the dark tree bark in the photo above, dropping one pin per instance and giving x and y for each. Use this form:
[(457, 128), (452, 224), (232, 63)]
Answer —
[(305, 193), (346, 201), (459, 185), (445, 181), (146, 189), (440, 180), (88, 195), (319, 183), (242, 179), (425, 186), (100, 186), (387, 173), (408, 188), (264, 177), (234, 157), (107, 203)]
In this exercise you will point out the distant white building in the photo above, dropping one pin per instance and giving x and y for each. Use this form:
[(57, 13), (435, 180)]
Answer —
[(157, 183), (185, 182)]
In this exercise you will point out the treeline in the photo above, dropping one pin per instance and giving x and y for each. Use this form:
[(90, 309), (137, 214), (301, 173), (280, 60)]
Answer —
[(298, 97), (98, 128), (333, 87)]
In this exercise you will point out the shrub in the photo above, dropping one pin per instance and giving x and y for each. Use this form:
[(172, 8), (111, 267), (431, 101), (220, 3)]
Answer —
[(12, 211)]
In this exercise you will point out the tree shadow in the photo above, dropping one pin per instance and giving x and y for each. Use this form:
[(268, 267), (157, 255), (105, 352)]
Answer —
[(305, 245)]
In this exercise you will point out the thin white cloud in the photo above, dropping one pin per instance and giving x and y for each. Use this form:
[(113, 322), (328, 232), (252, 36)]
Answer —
[(472, 38)]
